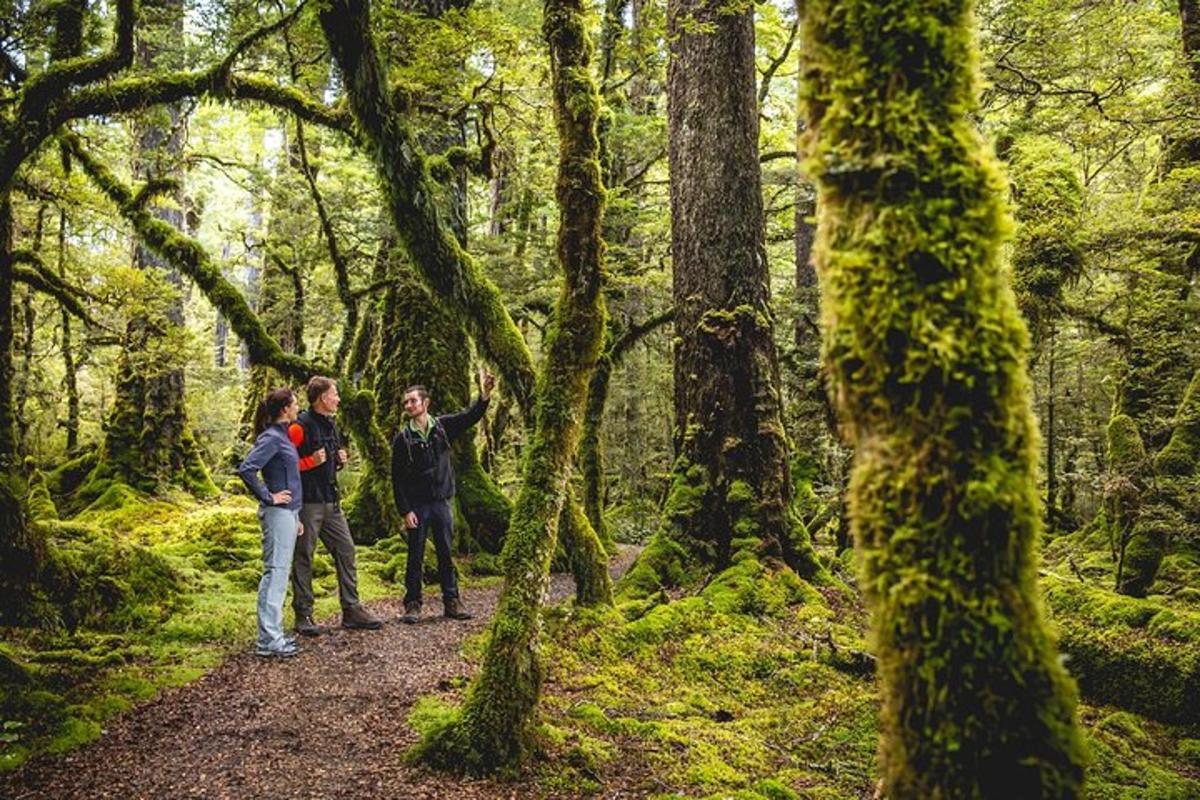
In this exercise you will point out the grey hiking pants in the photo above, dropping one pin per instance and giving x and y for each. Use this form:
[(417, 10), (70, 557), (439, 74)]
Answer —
[(326, 522)]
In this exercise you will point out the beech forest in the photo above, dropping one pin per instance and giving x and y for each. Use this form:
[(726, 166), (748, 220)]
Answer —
[(778, 400)]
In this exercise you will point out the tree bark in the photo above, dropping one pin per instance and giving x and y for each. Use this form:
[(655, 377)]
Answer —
[(731, 479), (927, 353), (70, 377)]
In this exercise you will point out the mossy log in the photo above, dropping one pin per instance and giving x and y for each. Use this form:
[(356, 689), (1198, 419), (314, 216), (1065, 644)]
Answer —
[(1133, 653), (927, 354)]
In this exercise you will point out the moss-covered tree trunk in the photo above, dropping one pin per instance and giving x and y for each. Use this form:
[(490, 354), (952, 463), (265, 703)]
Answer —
[(22, 550), (421, 341), (732, 484), (148, 443), (495, 725), (927, 354), (449, 272), (70, 378)]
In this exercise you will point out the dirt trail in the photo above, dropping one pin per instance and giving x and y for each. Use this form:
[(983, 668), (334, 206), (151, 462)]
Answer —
[(329, 723)]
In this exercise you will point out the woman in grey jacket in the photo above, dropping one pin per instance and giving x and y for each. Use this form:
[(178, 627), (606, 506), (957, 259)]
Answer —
[(280, 498)]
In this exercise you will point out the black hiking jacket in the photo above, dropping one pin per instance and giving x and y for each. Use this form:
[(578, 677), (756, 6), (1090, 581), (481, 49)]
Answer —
[(312, 432), (421, 469)]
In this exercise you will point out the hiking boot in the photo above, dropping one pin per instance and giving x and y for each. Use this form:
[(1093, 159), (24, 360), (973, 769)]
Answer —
[(305, 625), (454, 609), (359, 618), (412, 612), (288, 650)]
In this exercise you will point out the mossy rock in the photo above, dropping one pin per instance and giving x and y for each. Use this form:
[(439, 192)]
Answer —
[(107, 583), (66, 478)]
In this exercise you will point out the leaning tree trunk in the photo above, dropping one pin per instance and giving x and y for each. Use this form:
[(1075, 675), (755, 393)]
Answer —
[(928, 356), (496, 722), (731, 485)]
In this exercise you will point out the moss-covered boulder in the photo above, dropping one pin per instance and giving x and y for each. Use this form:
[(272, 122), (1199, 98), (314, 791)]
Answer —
[(1132, 653)]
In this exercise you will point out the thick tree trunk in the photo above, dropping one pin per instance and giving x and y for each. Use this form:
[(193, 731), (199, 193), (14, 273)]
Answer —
[(148, 443), (496, 722), (732, 484), (928, 357)]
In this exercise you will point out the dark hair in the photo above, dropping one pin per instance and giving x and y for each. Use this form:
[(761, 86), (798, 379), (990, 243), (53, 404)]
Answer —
[(271, 407), (317, 386), (419, 389)]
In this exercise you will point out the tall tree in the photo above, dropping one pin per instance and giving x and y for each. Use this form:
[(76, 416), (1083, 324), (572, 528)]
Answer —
[(732, 482), (148, 443), (496, 722), (928, 357)]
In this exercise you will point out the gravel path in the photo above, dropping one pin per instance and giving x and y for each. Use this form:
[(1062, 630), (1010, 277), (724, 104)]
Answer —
[(329, 723)]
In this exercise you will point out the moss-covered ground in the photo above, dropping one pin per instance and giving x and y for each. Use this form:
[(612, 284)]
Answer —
[(754, 686), (151, 593), (759, 686)]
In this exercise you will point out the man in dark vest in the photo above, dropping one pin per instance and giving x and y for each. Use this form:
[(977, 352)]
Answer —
[(322, 455), (423, 486)]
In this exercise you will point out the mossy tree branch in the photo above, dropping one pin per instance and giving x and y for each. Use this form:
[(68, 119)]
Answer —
[(449, 271), (64, 74), (186, 255), (35, 275), (83, 87)]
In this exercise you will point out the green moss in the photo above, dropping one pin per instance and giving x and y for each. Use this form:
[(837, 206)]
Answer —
[(64, 479), (1127, 652), (1181, 456), (927, 356), (38, 503)]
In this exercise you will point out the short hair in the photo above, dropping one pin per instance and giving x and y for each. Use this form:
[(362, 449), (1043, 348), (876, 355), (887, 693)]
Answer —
[(419, 389), (317, 386)]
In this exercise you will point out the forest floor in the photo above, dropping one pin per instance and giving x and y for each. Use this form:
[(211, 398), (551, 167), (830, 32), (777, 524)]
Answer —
[(329, 723)]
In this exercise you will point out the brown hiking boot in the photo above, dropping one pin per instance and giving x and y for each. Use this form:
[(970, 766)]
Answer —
[(359, 618), (454, 609), (412, 612), (305, 625)]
